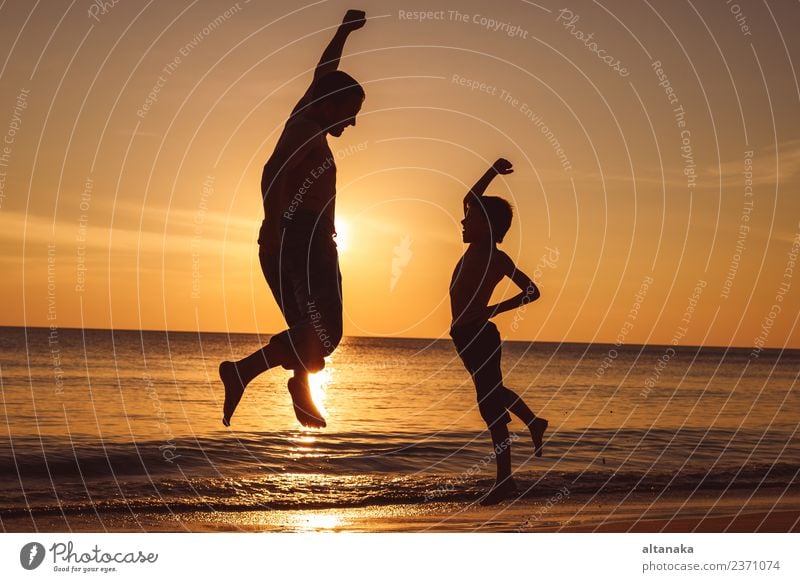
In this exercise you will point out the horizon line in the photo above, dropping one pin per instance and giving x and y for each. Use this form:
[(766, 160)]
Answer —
[(559, 342)]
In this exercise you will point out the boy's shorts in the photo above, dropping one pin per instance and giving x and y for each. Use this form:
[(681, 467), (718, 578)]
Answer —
[(478, 346)]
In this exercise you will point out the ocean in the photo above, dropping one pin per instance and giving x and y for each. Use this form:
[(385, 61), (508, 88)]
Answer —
[(96, 422)]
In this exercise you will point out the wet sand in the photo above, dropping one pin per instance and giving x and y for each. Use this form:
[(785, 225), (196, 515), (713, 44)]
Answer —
[(711, 512)]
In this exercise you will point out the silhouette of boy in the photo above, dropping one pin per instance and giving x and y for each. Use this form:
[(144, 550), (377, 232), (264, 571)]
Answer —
[(486, 221)]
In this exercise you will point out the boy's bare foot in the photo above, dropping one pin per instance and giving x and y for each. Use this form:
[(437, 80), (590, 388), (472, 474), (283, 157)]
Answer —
[(233, 390), (304, 408), (500, 492), (537, 427)]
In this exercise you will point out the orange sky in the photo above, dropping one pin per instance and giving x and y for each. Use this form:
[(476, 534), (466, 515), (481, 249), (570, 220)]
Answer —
[(669, 174)]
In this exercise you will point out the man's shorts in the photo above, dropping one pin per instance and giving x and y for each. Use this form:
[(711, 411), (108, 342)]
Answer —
[(307, 285)]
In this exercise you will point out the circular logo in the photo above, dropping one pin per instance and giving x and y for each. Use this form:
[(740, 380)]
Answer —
[(31, 555)]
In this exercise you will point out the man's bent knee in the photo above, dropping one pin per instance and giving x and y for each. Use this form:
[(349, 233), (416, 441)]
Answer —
[(331, 342)]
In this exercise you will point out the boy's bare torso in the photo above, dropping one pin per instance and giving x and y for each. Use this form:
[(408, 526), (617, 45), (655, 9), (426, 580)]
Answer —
[(474, 279)]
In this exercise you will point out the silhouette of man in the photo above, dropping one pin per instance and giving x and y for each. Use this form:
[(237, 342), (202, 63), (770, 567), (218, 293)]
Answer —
[(297, 251)]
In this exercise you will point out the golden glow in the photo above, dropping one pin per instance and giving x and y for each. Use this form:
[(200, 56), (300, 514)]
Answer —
[(318, 383), (317, 521), (342, 235), (600, 194)]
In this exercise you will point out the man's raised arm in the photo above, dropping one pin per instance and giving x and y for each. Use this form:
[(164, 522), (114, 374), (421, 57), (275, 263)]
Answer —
[(353, 20)]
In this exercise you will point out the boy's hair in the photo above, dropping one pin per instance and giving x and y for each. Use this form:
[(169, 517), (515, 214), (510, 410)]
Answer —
[(335, 85), (498, 212)]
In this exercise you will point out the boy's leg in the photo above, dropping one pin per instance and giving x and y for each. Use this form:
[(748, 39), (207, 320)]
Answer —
[(502, 450), (516, 405), (482, 358), (536, 425), (504, 483)]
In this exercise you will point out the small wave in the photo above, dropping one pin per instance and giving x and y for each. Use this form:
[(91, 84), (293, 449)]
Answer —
[(319, 491), (299, 470), (245, 454)]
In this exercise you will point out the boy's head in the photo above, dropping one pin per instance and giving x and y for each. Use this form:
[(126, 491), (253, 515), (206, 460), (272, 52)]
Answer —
[(487, 218), (338, 98)]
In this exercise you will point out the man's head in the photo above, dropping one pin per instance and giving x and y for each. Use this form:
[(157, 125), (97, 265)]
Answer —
[(337, 98), (488, 218)]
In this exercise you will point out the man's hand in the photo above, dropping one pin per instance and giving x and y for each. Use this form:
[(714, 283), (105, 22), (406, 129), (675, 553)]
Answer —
[(353, 20), (502, 166)]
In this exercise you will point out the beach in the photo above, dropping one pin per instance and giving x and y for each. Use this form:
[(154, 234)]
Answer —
[(127, 437), (763, 511)]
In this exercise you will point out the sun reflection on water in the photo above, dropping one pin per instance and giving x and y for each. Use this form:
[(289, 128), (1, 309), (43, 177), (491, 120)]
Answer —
[(316, 521)]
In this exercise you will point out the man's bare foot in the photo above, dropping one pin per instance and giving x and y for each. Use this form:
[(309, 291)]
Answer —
[(233, 390), (538, 426), (499, 492), (304, 408)]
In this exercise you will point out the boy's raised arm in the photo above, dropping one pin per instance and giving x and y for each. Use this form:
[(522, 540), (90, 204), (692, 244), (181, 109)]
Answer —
[(353, 20), (501, 166)]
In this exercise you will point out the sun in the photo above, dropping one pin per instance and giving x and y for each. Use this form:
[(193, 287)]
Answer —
[(342, 235)]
